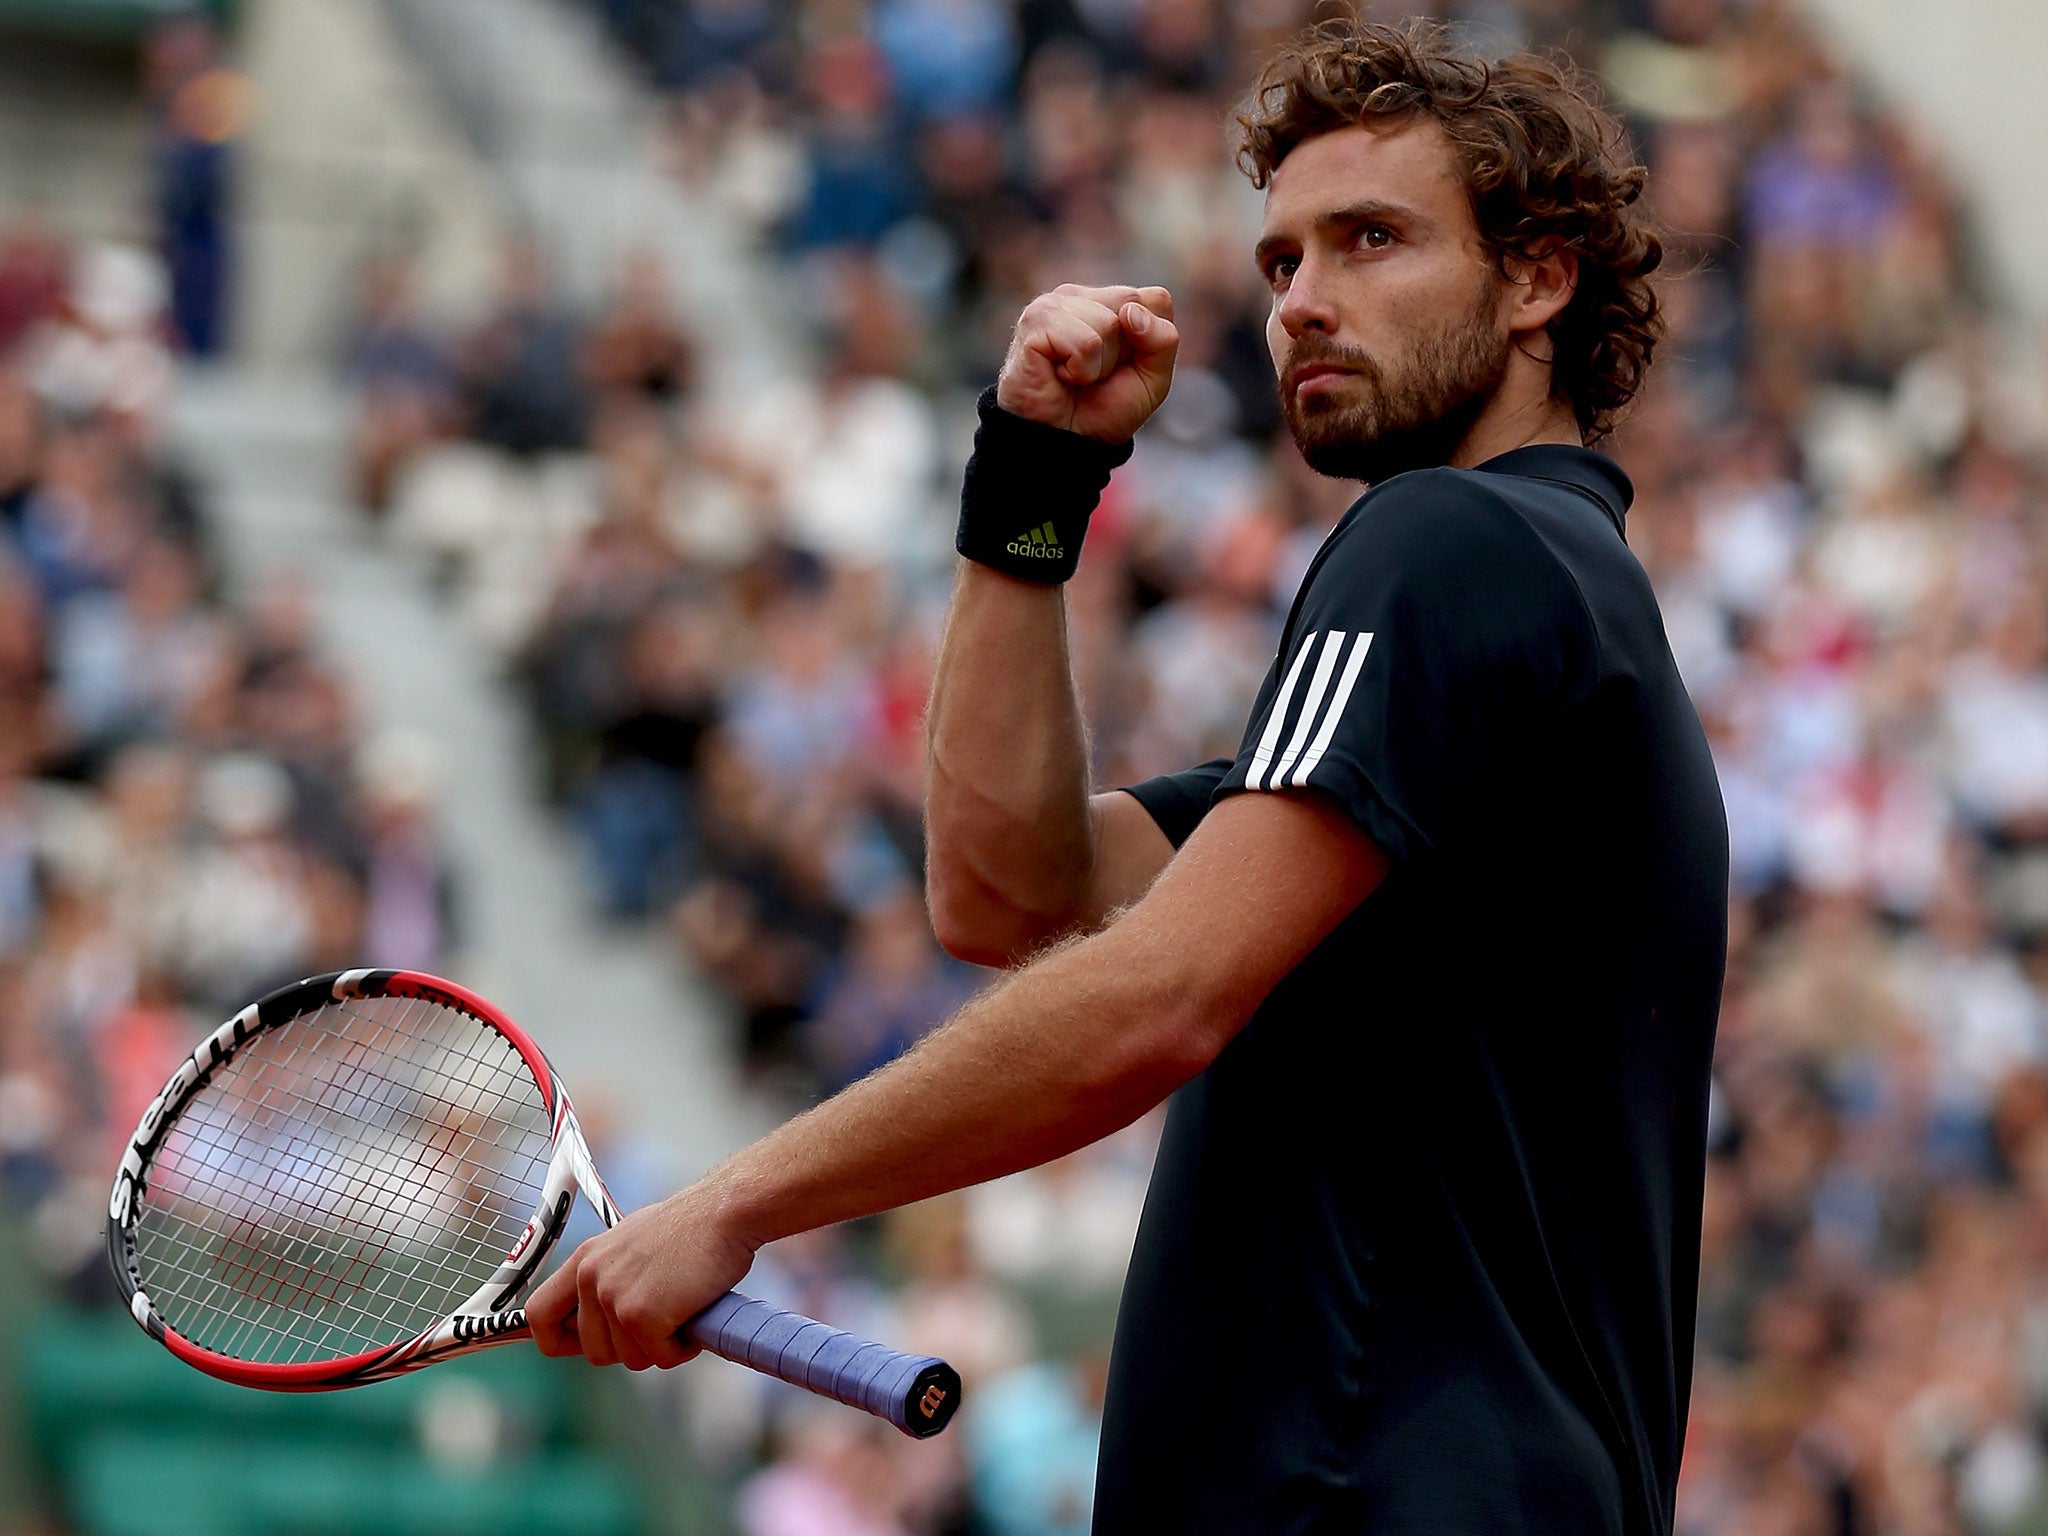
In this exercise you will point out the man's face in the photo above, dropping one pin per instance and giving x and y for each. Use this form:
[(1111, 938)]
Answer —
[(1389, 328)]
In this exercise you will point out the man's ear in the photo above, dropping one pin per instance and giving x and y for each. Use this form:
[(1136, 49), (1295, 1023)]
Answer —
[(1543, 286)]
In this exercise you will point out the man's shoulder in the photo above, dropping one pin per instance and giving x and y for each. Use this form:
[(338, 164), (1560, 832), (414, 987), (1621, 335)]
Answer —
[(1434, 525)]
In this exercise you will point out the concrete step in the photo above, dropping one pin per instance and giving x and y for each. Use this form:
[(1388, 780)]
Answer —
[(74, 138), (574, 136), (628, 1029)]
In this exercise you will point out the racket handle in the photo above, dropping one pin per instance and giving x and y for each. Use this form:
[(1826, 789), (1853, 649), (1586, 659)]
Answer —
[(916, 1393)]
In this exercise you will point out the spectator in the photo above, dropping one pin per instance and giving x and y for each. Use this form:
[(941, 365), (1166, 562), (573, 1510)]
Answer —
[(518, 372), (796, 714), (700, 41), (410, 919), (33, 280), (404, 379), (837, 1480), (637, 346), (202, 106), (1034, 1445), (880, 997), (637, 804), (840, 464), (858, 185), (947, 58)]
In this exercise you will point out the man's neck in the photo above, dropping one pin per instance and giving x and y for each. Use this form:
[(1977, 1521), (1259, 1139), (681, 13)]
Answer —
[(1522, 414)]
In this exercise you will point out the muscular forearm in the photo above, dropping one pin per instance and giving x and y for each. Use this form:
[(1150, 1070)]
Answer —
[(1080, 1042), (1007, 824), (1009, 827), (1063, 1052)]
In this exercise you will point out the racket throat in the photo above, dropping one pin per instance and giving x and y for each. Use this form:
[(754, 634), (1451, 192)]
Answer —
[(542, 1232)]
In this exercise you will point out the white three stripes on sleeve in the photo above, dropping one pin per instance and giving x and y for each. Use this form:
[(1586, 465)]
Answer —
[(1302, 765), (1263, 757)]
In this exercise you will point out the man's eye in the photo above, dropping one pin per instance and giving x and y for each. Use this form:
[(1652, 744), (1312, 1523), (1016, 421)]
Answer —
[(1375, 237), (1282, 268)]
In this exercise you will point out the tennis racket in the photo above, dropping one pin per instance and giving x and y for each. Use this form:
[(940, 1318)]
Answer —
[(363, 1173)]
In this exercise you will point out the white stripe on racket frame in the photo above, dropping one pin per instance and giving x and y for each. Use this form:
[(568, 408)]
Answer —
[(489, 1317)]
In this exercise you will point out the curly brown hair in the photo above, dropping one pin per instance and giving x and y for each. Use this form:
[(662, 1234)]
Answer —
[(1545, 164)]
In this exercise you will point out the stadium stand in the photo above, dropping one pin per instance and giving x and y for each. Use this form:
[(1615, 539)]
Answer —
[(721, 607), (191, 811)]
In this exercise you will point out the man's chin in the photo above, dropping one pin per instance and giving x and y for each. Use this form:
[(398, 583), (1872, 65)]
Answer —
[(1329, 435), (1332, 459), (1344, 445), (1329, 450)]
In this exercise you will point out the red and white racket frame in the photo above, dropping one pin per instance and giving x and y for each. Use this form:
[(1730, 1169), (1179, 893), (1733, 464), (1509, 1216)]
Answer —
[(916, 1393), (919, 1394), (489, 1317)]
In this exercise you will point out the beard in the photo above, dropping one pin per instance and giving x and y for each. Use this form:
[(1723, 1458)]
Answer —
[(1411, 414)]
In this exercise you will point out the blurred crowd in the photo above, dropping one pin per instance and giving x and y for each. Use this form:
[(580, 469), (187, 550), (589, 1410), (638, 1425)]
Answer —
[(189, 812), (723, 604)]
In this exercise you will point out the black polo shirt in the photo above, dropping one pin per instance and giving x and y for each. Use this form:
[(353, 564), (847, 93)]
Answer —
[(1421, 1251)]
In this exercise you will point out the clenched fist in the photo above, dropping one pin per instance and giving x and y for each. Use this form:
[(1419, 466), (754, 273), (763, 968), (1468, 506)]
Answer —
[(1097, 361)]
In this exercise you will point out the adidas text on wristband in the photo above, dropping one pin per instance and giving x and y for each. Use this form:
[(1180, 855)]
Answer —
[(1040, 543), (1028, 493)]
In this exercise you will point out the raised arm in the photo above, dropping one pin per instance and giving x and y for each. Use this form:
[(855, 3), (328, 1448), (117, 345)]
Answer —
[(1018, 851)]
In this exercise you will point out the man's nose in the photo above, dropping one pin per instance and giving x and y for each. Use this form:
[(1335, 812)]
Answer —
[(1305, 306)]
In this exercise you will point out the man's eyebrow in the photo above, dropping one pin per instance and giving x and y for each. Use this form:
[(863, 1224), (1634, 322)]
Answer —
[(1365, 212), (1268, 246), (1372, 208)]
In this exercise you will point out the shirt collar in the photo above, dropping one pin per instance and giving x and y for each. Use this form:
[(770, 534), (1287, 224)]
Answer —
[(1594, 473)]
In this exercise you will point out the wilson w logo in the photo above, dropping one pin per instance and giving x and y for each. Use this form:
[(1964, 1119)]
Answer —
[(1321, 709)]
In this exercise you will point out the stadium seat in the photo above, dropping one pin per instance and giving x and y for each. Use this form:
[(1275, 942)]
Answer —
[(84, 1371), (138, 1483), (145, 1447)]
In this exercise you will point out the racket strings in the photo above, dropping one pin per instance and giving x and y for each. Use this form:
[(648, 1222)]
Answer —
[(343, 1183), (347, 1226)]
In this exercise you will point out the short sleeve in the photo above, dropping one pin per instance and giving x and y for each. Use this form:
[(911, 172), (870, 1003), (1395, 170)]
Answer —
[(1433, 636), (1179, 801)]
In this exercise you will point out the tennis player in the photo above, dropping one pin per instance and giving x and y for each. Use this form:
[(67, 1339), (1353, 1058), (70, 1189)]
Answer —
[(1430, 968)]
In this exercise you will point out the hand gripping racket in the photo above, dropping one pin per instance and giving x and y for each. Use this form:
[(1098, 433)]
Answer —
[(363, 1173)]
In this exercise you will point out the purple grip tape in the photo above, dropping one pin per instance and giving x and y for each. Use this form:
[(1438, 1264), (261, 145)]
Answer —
[(916, 1393)]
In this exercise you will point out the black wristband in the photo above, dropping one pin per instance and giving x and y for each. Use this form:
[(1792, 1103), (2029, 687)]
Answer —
[(1028, 493)]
